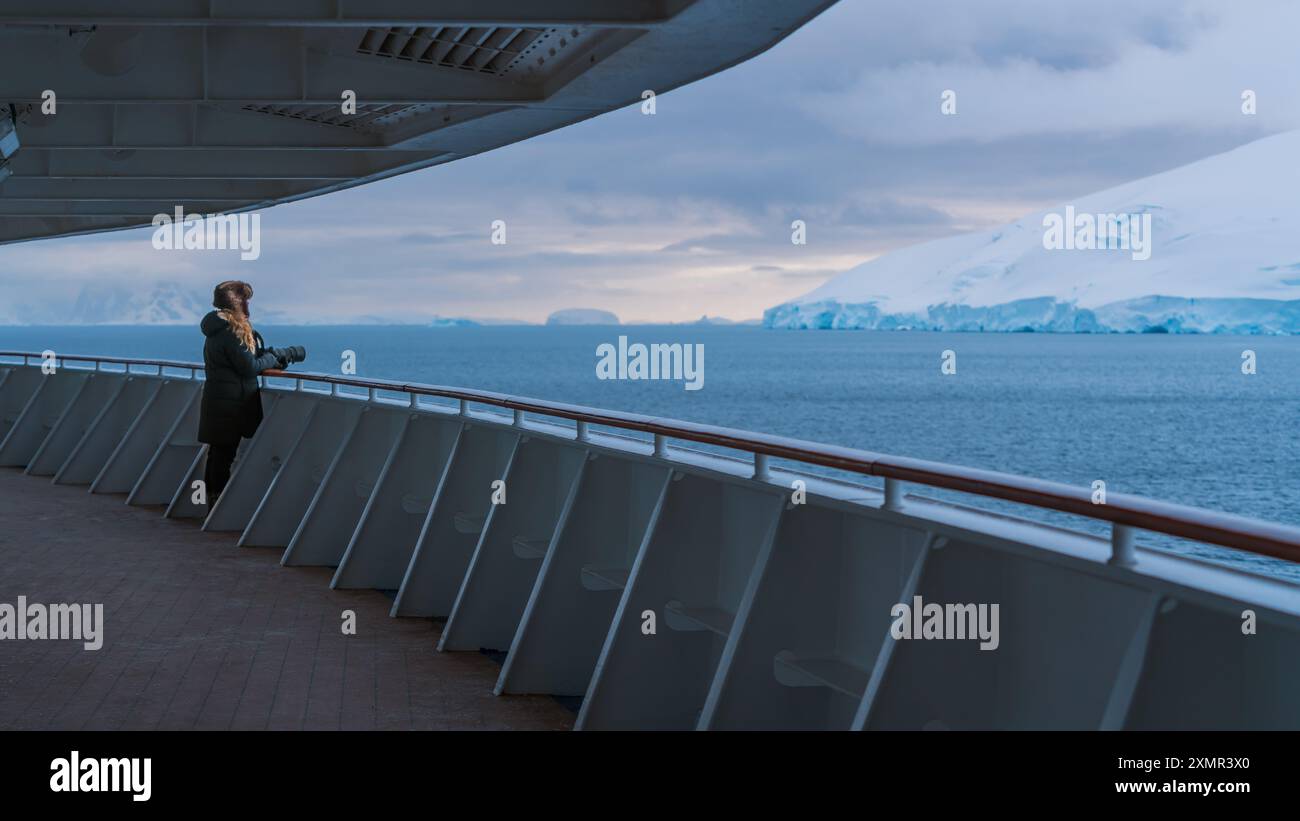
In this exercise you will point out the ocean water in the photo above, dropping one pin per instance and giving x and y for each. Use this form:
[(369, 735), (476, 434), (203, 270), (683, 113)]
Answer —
[(1169, 417)]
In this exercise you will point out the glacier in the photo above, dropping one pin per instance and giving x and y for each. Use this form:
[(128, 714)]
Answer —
[(1225, 259), (1149, 314)]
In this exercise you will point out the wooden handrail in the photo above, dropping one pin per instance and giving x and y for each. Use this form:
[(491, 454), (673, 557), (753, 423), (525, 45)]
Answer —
[(1212, 527)]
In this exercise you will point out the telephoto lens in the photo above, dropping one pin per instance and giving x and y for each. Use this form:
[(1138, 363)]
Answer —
[(289, 355)]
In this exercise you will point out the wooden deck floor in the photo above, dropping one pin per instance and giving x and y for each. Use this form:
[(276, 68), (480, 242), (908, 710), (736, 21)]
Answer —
[(201, 634)]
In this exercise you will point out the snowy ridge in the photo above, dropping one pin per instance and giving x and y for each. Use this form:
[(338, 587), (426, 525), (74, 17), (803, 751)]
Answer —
[(163, 303), (1225, 258)]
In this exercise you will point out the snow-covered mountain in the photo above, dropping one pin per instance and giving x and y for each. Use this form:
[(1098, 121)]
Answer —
[(1224, 258), (162, 303)]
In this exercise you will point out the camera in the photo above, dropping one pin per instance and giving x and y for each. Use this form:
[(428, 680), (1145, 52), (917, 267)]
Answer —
[(289, 355)]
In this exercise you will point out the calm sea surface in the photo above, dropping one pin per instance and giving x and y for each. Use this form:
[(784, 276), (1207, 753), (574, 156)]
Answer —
[(1171, 417)]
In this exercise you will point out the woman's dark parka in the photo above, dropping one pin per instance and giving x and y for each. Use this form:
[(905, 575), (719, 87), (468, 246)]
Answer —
[(231, 407)]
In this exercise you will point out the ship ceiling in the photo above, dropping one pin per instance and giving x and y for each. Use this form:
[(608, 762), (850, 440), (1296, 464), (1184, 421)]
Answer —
[(113, 112)]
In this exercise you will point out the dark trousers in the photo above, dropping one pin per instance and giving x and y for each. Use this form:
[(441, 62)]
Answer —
[(217, 471)]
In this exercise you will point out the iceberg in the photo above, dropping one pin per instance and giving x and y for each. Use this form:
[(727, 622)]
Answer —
[(582, 316)]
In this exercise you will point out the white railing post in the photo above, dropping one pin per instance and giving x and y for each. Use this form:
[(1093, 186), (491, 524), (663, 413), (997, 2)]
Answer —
[(893, 494), (1123, 545), (370, 395), (464, 407), (582, 431), (761, 472), (661, 449), (415, 401), (519, 418)]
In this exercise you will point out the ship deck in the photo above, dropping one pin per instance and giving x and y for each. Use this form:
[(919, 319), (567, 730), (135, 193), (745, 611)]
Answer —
[(668, 587), (201, 634)]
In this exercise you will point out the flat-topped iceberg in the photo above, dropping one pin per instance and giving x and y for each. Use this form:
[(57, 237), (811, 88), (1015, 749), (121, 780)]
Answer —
[(582, 316)]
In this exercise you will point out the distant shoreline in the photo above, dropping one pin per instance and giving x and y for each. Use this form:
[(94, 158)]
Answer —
[(1152, 331)]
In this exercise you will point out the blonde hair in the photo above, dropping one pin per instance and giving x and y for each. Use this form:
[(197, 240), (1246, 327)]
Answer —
[(230, 298)]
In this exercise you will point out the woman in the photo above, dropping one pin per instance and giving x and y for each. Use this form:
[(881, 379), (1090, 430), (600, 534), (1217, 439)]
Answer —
[(233, 355)]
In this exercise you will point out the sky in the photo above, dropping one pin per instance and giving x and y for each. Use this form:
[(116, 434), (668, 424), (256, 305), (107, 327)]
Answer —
[(688, 212)]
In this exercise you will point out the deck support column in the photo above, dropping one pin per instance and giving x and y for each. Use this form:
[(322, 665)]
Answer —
[(1123, 545)]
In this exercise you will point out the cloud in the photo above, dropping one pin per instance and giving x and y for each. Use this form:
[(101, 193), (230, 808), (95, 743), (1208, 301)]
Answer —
[(891, 212), (424, 238), (1048, 69)]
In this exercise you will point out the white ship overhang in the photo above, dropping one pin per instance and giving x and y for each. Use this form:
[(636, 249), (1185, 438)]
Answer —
[(112, 113)]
